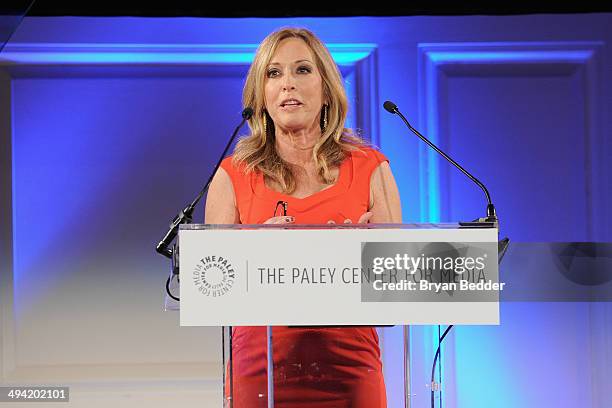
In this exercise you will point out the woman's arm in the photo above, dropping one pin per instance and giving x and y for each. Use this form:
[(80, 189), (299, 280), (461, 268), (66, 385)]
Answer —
[(221, 201), (385, 203)]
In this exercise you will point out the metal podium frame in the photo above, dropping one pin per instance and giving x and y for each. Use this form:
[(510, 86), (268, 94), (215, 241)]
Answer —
[(227, 338)]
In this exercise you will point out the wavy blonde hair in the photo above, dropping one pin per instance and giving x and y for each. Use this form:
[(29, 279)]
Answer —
[(257, 151)]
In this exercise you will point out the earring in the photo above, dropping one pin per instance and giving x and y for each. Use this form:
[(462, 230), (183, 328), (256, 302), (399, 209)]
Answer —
[(267, 123), (324, 112)]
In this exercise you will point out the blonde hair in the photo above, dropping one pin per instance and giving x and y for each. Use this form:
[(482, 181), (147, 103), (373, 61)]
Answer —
[(258, 152)]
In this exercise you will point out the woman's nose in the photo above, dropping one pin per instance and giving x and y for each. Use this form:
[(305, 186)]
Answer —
[(288, 82)]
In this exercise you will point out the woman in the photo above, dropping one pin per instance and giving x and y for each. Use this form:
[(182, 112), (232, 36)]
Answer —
[(300, 153)]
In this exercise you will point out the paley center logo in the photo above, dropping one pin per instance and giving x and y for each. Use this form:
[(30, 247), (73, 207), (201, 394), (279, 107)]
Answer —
[(214, 276)]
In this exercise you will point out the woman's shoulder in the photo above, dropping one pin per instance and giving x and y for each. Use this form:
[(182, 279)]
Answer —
[(368, 153), (232, 167), (237, 172), (241, 180)]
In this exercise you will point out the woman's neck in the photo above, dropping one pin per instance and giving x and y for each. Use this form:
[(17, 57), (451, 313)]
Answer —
[(296, 147)]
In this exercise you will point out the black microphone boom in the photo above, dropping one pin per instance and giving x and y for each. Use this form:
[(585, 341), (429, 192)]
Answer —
[(491, 218), (185, 216), (489, 221)]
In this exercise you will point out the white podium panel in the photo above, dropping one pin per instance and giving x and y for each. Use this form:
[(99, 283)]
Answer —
[(337, 275)]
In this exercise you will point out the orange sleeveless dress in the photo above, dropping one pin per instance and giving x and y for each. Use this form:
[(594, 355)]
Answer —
[(314, 367)]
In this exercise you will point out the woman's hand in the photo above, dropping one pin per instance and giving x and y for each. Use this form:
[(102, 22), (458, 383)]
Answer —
[(364, 219), (281, 219)]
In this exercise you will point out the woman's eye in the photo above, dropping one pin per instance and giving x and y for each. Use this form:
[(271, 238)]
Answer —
[(304, 69), (272, 73)]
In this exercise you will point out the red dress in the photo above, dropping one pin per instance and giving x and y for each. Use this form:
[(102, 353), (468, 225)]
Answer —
[(313, 367)]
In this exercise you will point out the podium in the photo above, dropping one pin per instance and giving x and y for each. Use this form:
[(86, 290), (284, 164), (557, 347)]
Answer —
[(298, 304)]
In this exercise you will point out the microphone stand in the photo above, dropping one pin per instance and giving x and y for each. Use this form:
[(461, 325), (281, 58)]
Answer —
[(185, 216), (491, 219)]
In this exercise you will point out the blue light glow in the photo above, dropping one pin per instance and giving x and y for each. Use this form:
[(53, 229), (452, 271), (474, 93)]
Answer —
[(507, 56), (101, 164), (156, 53)]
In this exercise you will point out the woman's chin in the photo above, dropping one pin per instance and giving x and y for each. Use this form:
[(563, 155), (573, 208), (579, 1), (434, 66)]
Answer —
[(293, 126)]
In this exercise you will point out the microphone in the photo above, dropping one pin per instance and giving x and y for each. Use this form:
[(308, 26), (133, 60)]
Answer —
[(185, 216), (489, 221), (246, 114), (491, 218)]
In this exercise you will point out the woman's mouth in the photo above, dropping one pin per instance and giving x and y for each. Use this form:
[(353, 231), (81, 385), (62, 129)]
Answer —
[(289, 103)]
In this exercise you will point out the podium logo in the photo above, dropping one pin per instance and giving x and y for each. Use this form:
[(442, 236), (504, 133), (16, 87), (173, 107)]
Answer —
[(214, 276)]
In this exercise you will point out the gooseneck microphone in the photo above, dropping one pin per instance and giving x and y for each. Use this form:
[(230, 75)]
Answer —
[(491, 218), (489, 221), (185, 216)]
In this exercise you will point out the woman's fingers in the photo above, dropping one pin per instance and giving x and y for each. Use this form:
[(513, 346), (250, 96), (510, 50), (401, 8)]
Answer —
[(283, 219), (365, 218)]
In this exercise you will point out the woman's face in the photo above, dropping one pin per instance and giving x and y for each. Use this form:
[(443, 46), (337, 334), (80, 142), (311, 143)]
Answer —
[(293, 87)]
